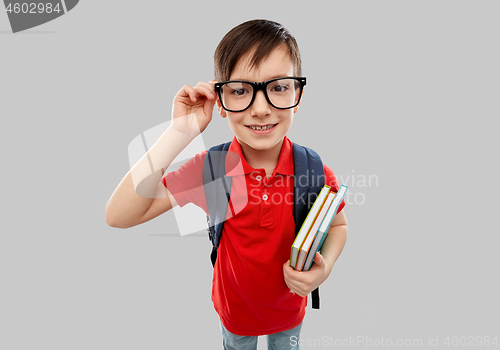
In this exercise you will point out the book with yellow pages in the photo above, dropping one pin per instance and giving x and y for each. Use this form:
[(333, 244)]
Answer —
[(304, 250), (308, 222), (324, 227)]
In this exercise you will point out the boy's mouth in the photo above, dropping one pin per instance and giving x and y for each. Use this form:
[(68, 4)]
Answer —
[(261, 127)]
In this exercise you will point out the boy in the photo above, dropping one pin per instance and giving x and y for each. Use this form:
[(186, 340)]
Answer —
[(254, 291)]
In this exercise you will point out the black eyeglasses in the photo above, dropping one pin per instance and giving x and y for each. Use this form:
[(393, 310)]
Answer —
[(281, 93)]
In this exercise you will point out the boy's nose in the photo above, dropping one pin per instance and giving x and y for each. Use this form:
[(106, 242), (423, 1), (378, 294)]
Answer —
[(260, 106)]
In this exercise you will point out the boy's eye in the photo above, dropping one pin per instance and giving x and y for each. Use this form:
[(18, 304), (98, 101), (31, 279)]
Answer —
[(279, 88), (238, 92)]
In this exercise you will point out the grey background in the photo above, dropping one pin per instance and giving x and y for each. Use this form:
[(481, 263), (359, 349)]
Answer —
[(405, 91)]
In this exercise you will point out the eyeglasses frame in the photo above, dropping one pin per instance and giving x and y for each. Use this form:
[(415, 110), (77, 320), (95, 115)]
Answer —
[(259, 86)]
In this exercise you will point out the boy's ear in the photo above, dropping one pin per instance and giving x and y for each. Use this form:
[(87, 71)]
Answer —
[(221, 110)]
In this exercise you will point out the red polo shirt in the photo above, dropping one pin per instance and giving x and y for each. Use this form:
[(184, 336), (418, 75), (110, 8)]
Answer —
[(248, 290)]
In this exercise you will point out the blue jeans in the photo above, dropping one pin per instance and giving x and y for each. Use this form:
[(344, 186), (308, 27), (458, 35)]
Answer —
[(286, 340)]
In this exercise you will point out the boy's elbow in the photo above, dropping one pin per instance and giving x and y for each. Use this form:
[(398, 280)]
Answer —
[(114, 223), (113, 220)]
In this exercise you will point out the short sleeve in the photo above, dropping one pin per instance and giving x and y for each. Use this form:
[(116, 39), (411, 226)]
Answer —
[(331, 180), (186, 183)]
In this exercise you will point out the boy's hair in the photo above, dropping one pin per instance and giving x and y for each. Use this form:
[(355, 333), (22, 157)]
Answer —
[(261, 34)]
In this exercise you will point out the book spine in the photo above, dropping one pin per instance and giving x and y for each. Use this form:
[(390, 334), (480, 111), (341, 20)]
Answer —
[(300, 261), (306, 225), (315, 248), (293, 259)]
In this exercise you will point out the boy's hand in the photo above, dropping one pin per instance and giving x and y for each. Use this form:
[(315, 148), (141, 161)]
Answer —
[(192, 109), (304, 282)]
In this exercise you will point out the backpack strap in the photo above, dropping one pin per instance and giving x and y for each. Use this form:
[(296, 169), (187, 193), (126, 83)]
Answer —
[(217, 192), (309, 180)]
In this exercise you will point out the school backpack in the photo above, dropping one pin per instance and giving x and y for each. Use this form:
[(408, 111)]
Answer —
[(217, 186)]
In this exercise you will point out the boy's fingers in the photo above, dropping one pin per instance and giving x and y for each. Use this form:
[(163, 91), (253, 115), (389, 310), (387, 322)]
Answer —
[(188, 91), (318, 259), (206, 91), (184, 91), (209, 85), (202, 89), (287, 267), (290, 274)]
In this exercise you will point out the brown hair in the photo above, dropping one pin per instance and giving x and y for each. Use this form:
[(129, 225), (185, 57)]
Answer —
[(261, 34)]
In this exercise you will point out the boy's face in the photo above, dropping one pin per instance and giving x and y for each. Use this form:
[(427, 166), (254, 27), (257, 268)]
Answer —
[(261, 113)]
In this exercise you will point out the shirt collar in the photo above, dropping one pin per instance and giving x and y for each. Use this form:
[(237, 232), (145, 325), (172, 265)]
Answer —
[(284, 166)]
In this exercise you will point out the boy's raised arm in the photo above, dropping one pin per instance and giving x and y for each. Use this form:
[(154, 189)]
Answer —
[(141, 196)]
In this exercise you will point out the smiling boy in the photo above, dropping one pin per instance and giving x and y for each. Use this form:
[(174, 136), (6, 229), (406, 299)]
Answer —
[(257, 88)]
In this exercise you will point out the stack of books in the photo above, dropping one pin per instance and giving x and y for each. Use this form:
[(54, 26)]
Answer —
[(313, 231)]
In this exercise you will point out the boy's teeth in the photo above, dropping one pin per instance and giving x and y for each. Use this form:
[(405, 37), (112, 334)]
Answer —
[(262, 128)]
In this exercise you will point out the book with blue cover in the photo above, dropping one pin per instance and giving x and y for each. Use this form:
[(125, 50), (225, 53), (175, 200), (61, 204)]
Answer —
[(320, 235)]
